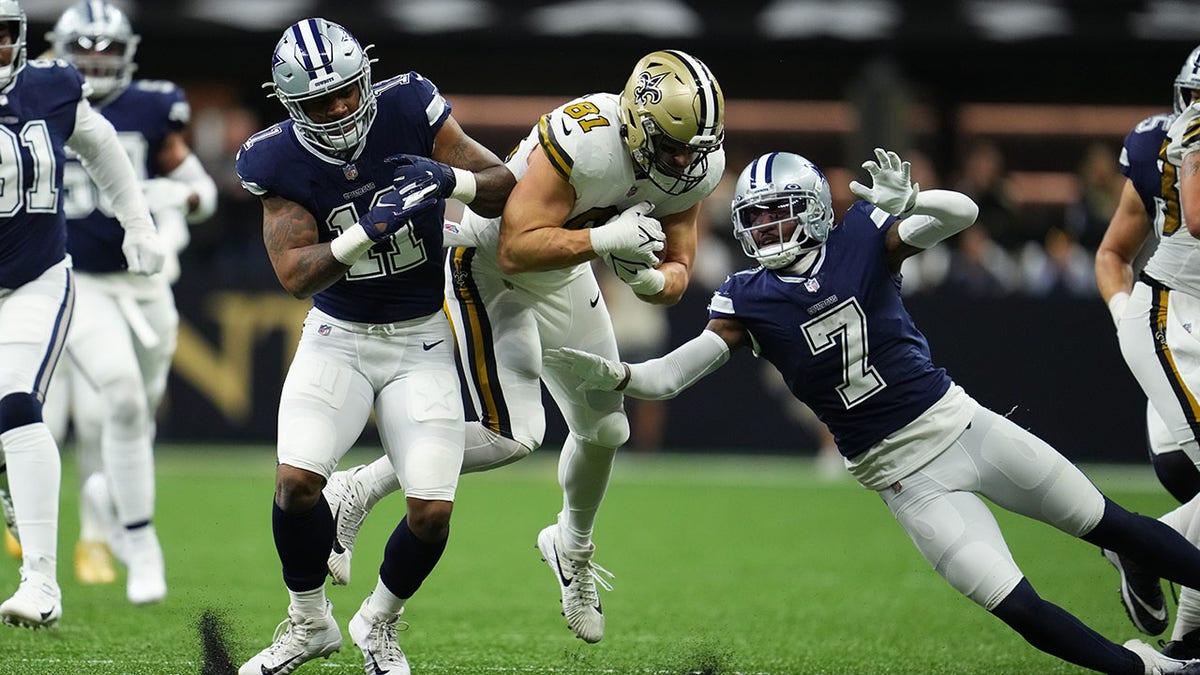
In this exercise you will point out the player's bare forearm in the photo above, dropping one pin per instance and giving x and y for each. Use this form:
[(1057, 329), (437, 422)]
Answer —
[(1189, 192), (492, 187), (543, 248), (302, 263)]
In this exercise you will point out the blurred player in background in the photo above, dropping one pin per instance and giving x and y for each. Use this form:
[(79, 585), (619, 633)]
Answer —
[(1149, 205), (825, 308), (353, 189), (123, 333), (43, 110), (610, 176)]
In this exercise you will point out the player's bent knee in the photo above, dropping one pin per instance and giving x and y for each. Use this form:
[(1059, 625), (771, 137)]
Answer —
[(297, 490), (612, 431), (126, 403), (18, 410), (429, 520)]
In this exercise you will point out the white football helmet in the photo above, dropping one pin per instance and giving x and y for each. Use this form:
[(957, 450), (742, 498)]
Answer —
[(316, 57), (95, 36), (672, 106), (13, 16), (781, 209), (1187, 81)]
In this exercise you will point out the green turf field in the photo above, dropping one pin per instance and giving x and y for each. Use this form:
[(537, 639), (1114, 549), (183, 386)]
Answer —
[(723, 565)]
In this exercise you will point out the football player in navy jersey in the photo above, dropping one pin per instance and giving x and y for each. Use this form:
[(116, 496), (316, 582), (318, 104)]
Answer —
[(825, 309), (123, 332), (353, 188), (1148, 231), (43, 110)]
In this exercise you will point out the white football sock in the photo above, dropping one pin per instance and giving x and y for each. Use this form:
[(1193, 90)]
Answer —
[(379, 479), (383, 602), (308, 603), (583, 472), (96, 515), (129, 460), (34, 480)]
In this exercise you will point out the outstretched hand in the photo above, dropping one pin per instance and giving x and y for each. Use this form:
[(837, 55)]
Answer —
[(891, 187), (596, 372)]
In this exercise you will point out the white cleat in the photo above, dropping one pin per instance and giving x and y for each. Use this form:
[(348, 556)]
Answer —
[(147, 581), (347, 500), (297, 641), (36, 604), (1158, 664), (577, 577), (375, 635)]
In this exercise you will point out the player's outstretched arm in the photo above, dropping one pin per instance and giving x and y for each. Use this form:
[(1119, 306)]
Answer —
[(657, 379), (481, 180)]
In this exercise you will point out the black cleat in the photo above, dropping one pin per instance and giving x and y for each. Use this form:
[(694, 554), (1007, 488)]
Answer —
[(1141, 594), (1185, 648)]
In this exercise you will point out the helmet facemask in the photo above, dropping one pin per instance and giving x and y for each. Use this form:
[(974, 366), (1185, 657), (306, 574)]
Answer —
[(781, 210), (314, 59)]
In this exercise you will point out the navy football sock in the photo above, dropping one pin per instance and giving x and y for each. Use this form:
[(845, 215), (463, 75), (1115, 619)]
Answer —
[(1149, 543), (304, 541), (1053, 630), (407, 561)]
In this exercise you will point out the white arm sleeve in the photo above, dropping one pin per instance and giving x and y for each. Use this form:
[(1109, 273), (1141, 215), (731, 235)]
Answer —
[(106, 162), (670, 374), (937, 215), (191, 173)]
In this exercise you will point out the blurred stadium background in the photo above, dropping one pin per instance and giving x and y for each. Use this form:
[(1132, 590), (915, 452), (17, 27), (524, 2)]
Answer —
[(1022, 104)]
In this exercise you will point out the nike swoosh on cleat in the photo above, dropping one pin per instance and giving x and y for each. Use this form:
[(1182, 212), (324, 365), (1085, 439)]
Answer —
[(378, 670), (277, 669), (594, 300), (566, 581), (337, 545), (427, 346), (46, 614), (1159, 613)]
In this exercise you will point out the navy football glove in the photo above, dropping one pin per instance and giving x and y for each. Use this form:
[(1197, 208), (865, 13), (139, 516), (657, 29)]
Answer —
[(421, 171), (394, 208)]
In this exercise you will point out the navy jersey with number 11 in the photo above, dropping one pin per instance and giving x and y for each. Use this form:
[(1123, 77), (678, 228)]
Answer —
[(839, 334)]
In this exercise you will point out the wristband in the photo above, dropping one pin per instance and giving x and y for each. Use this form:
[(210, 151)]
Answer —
[(464, 186), (350, 245), (628, 376), (1116, 306)]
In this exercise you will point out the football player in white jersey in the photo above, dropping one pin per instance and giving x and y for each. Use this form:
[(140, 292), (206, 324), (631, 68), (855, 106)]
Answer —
[(43, 109), (1147, 235), (123, 333), (1156, 327), (824, 307), (611, 176)]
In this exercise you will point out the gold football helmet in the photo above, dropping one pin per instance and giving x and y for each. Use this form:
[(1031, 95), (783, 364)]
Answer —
[(672, 117)]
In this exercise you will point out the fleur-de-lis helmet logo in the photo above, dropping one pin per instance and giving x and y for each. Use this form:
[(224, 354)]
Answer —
[(647, 90)]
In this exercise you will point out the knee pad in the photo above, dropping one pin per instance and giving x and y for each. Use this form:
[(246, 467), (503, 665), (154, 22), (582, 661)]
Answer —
[(611, 431), (18, 410), (126, 402)]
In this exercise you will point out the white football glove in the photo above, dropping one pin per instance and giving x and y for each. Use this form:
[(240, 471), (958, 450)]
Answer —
[(142, 248), (166, 194), (596, 372), (630, 234), (638, 274), (891, 187)]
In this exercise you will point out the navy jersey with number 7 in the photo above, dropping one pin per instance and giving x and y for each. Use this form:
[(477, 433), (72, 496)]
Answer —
[(839, 333)]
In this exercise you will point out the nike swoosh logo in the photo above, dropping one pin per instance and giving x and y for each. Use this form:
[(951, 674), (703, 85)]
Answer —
[(566, 581), (566, 129), (378, 670), (279, 668), (1159, 613), (594, 300), (430, 345), (337, 545), (46, 614)]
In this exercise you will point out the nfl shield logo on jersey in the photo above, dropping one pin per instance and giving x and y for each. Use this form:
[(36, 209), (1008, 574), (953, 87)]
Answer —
[(812, 285), (350, 171), (323, 329)]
